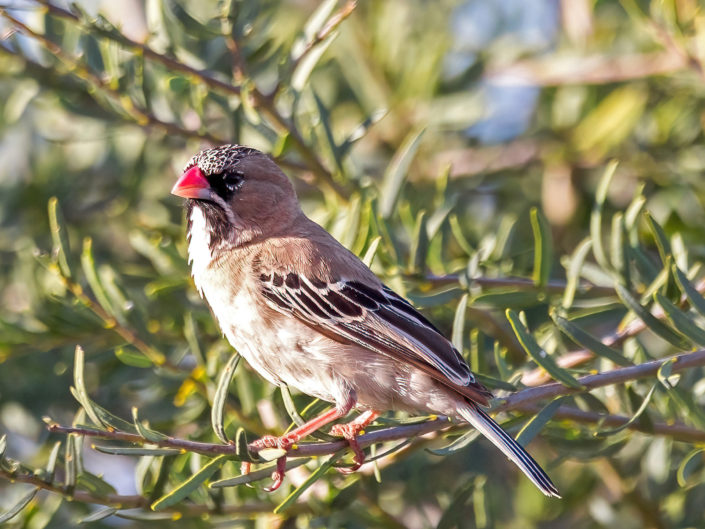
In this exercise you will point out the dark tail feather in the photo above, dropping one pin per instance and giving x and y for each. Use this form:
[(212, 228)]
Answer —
[(513, 450)]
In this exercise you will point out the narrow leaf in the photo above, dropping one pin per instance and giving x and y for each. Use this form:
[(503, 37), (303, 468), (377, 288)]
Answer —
[(88, 266), (315, 475), (573, 272), (419, 244), (543, 248), (371, 251), (70, 457), (17, 507), (538, 421), (51, 462), (457, 232), (654, 324), (100, 514), (664, 247), (58, 237), (596, 215), (540, 356), (132, 358), (262, 473), (137, 451), (459, 323), (221, 395), (144, 430), (191, 484), (687, 466), (588, 341), (80, 387), (397, 171), (289, 405), (633, 419), (680, 320), (458, 444), (695, 298)]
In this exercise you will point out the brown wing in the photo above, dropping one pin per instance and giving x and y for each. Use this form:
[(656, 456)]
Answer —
[(378, 319)]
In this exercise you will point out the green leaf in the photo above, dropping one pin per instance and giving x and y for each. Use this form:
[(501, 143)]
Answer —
[(573, 272), (143, 429), (685, 401), (419, 245), (457, 232), (618, 256), (132, 358), (242, 449), (514, 299), (695, 298), (191, 484), (70, 463), (596, 215), (543, 248), (458, 444), (654, 324), (94, 484), (88, 266), (541, 357), (262, 473), (396, 172), (312, 478), (100, 514), (633, 419), (688, 466), (588, 341), (137, 451), (58, 236), (221, 395), (51, 462), (108, 419), (81, 393), (459, 323), (290, 406), (538, 421), (680, 320), (662, 243), (371, 251), (17, 507)]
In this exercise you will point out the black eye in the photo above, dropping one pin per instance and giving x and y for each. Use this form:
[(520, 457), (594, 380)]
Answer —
[(233, 180)]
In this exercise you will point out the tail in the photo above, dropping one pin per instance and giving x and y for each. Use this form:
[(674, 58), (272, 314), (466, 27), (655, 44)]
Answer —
[(513, 450)]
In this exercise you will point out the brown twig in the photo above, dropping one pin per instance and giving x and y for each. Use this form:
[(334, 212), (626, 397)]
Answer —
[(134, 501), (539, 376), (80, 70), (522, 401)]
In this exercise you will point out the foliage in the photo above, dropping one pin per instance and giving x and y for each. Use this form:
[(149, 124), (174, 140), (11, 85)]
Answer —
[(464, 149)]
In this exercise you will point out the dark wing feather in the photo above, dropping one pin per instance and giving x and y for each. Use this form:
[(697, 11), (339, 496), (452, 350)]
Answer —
[(379, 320)]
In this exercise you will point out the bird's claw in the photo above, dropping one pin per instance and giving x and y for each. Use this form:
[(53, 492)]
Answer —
[(269, 441), (349, 432)]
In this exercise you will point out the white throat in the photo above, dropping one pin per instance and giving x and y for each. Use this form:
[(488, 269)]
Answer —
[(199, 252)]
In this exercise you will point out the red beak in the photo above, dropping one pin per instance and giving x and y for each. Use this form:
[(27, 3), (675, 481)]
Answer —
[(192, 184)]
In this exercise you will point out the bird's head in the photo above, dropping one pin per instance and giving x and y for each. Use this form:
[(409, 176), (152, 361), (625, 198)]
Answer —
[(241, 192)]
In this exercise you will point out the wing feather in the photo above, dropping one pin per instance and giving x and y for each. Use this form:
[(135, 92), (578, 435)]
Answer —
[(377, 319)]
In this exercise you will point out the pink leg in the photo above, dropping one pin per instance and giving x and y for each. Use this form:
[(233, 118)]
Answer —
[(286, 441), (350, 431)]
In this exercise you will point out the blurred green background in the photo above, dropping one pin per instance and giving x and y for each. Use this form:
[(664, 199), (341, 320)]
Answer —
[(457, 145)]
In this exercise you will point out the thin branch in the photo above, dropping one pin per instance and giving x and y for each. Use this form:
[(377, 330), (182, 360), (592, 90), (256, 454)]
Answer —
[(606, 378), (134, 501), (538, 376), (522, 401), (204, 76), (553, 286), (80, 70)]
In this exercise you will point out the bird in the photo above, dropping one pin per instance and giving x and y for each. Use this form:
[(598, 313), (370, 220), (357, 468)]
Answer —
[(306, 312)]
